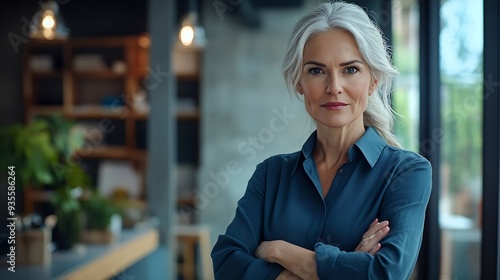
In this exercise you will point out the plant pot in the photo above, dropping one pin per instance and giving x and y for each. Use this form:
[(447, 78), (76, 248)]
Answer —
[(68, 230), (32, 247), (108, 235), (98, 236)]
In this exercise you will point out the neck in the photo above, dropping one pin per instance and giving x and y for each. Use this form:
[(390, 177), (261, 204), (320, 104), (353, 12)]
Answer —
[(333, 143)]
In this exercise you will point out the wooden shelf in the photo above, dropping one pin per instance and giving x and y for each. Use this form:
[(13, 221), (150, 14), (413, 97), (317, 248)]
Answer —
[(187, 76), (119, 152), (108, 152), (141, 114), (98, 74), (45, 110), (186, 201), (96, 112), (48, 43), (188, 115), (104, 42), (139, 155), (183, 115)]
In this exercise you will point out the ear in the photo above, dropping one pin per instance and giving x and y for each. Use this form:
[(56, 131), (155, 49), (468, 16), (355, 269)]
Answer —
[(373, 86), (299, 88)]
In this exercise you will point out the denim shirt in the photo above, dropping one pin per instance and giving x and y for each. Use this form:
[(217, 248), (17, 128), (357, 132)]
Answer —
[(284, 201)]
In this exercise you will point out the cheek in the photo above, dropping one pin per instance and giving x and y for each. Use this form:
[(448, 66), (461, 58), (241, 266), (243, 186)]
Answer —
[(360, 91), (312, 87), (310, 99)]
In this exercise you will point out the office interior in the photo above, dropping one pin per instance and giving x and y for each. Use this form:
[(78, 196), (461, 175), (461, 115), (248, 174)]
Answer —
[(148, 136)]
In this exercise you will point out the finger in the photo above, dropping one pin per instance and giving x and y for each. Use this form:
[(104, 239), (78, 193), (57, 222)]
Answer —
[(377, 237), (375, 228), (375, 249), (373, 223), (369, 241)]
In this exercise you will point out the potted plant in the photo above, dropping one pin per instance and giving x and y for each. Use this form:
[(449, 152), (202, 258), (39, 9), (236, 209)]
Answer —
[(99, 213), (42, 153), (67, 209)]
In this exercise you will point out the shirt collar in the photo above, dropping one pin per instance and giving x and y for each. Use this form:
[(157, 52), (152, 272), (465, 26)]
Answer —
[(370, 144)]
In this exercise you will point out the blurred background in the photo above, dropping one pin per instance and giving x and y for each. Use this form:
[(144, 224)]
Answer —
[(142, 121)]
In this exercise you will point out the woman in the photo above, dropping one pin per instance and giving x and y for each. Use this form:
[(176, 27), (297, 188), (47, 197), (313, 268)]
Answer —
[(304, 213)]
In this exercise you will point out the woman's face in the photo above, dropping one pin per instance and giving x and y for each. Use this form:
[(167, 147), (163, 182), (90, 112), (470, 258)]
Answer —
[(335, 80)]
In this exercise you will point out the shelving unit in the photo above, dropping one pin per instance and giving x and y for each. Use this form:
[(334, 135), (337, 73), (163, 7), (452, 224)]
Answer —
[(95, 80), (77, 91)]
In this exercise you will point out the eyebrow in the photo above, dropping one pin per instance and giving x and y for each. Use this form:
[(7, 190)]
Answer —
[(341, 64)]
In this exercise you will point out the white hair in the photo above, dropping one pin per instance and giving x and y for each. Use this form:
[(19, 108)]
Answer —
[(371, 45)]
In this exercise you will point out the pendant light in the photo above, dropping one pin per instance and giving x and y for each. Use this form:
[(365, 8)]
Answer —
[(47, 23), (191, 33)]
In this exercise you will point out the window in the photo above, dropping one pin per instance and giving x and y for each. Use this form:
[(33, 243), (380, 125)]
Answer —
[(405, 96), (461, 64)]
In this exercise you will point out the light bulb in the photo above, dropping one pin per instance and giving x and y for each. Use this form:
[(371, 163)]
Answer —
[(48, 21), (186, 35)]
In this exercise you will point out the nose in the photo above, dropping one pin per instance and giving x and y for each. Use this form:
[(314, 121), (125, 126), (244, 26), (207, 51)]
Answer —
[(334, 85)]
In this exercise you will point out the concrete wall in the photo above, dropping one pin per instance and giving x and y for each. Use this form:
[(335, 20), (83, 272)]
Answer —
[(247, 112)]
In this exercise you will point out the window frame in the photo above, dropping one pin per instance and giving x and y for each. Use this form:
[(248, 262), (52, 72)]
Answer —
[(490, 250)]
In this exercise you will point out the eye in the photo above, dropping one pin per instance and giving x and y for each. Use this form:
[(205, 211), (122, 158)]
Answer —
[(315, 71), (351, 70)]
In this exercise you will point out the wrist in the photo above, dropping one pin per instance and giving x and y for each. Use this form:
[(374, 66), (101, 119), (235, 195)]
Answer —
[(277, 251)]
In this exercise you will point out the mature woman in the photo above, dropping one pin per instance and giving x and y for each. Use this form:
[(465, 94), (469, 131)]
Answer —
[(305, 215)]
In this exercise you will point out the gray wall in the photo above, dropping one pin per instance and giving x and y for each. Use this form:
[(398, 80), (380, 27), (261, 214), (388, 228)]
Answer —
[(244, 98)]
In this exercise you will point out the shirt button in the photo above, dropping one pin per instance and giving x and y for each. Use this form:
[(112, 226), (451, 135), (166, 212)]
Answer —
[(341, 170)]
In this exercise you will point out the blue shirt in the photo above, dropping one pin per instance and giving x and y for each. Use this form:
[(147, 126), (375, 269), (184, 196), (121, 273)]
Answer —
[(284, 201)]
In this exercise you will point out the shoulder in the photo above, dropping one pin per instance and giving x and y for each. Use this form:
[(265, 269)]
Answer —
[(401, 163), (275, 168), (281, 162), (402, 157), (282, 159)]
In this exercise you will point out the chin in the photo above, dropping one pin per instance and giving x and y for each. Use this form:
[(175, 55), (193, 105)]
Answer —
[(337, 122)]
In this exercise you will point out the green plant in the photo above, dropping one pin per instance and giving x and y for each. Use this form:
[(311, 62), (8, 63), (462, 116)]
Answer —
[(99, 210), (42, 152)]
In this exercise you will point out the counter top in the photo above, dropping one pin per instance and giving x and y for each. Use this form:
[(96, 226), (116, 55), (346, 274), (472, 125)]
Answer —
[(92, 261)]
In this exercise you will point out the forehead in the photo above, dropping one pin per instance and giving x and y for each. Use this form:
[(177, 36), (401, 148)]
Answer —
[(335, 43)]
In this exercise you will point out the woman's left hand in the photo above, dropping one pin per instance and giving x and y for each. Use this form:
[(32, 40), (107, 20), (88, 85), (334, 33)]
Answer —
[(370, 242), (268, 250)]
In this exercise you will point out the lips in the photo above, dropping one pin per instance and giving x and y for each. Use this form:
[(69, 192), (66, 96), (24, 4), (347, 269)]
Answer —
[(334, 105)]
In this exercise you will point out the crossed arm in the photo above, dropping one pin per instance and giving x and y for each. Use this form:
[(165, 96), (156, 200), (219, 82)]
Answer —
[(240, 254), (300, 263)]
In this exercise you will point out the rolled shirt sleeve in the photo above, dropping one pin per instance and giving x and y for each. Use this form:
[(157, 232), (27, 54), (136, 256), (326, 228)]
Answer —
[(403, 205), (233, 254)]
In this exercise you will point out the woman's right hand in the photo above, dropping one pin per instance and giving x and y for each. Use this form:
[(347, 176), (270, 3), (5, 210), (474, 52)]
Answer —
[(370, 243)]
